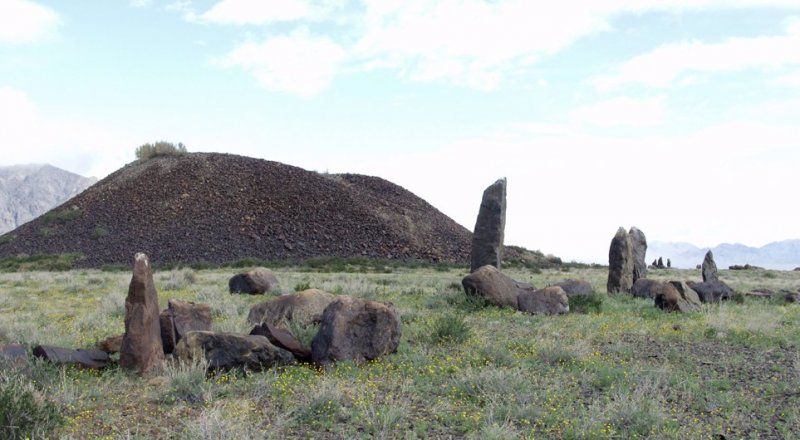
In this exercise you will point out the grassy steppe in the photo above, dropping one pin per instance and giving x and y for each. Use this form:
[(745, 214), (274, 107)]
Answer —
[(628, 371)]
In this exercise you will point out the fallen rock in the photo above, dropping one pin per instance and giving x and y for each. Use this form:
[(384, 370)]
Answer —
[(620, 263), (303, 308), (111, 345), (493, 286), (709, 268), (13, 355), (575, 287), (676, 296), (254, 282), (89, 359), (356, 329), (646, 288), (712, 291), (230, 351), (548, 301), (181, 317), (639, 251), (797, 269), (141, 344), (487, 241), (744, 267), (284, 339), (761, 293), (791, 297)]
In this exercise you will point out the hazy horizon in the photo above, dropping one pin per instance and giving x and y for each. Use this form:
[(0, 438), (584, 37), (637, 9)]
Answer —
[(680, 117)]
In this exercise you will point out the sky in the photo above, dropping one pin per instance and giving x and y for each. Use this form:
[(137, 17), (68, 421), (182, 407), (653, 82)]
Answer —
[(681, 117)]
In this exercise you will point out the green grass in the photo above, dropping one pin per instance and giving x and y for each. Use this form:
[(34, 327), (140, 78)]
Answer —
[(463, 370)]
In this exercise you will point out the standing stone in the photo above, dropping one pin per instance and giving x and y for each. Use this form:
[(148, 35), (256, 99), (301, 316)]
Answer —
[(620, 263), (669, 263), (639, 242), (660, 264), (141, 345), (709, 268), (487, 240)]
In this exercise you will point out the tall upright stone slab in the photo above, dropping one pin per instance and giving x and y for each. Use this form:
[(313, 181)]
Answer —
[(141, 345), (639, 242), (487, 240), (709, 268), (620, 263)]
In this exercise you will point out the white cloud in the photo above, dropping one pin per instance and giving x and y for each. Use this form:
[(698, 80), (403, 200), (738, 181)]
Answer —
[(23, 21), (673, 63), (29, 137), (256, 11), (621, 111), (791, 79), (140, 3), (297, 63)]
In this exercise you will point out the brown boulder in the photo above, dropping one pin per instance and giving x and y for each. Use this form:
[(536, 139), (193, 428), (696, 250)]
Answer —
[(356, 329), (141, 345), (181, 317), (89, 359), (575, 287), (676, 296), (548, 301), (229, 351), (111, 344), (620, 263), (639, 251), (254, 282), (284, 339), (645, 288), (487, 241), (303, 308), (493, 286)]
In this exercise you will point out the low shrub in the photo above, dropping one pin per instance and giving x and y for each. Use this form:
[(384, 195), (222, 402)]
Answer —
[(450, 328), (586, 303), (161, 148), (24, 411)]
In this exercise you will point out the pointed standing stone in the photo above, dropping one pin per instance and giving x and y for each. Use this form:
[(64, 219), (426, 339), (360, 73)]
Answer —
[(620, 263), (487, 240), (709, 268), (141, 345), (639, 242)]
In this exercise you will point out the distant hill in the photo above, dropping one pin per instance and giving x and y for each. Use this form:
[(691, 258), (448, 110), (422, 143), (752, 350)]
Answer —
[(220, 208), (27, 191), (784, 255)]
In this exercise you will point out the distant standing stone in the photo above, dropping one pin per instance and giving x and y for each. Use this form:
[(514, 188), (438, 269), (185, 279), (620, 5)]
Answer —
[(141, 345), (487, 240), (639, 242), (709, 268), (620, 263)]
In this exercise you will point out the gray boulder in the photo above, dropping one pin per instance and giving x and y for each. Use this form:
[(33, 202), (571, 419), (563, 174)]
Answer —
[(303, 308), (639, 250), (709, 268), (645, 288), (232, 351), (620, 263), (548, 301), (356, 329), (676, 296), (254, 282), (711, 291), (575, 287), (487, 240)]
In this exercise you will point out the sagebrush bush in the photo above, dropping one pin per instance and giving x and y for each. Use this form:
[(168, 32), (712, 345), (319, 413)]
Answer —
[(161, 148), (187, 382), (586, 303), (24, 412), (450, 328), (303, 333)]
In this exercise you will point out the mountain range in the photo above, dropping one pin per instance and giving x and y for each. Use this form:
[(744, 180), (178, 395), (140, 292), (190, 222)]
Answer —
[(27, 191), (781, 255)]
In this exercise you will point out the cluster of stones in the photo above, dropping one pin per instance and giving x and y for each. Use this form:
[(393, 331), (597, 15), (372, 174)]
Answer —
[(487, 283), (350, 329), (659, 263)]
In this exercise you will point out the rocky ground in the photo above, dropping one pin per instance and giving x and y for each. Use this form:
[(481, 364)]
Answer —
[(625, 370)]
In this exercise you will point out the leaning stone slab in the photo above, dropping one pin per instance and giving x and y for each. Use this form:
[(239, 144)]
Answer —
[(89, 359), (356, 329), (284, 339), (232, 351), (141, 349), (487, 240), (181, 317)]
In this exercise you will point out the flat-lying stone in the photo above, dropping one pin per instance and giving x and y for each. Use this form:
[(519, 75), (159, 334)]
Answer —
[(548, 301), (230, 351), (181, 317), (356, 329), (575, 287), (90, 359), (645, 288), (254, 282), (711, 291), (284, 339), (302, 308)]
